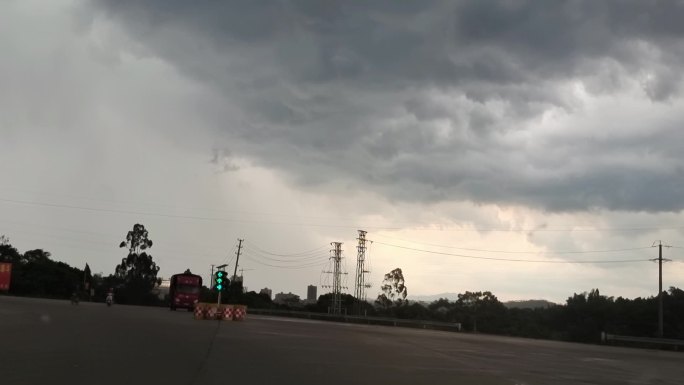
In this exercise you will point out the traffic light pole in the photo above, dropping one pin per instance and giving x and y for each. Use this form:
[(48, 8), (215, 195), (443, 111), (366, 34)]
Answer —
[(219, 280)]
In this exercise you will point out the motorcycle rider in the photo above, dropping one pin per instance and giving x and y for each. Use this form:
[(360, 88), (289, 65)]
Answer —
[(110, 296)]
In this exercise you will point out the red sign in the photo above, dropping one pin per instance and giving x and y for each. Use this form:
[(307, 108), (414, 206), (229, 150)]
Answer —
[(5, 275)]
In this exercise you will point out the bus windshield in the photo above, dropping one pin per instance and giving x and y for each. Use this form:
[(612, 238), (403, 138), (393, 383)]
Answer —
[(188, 289)]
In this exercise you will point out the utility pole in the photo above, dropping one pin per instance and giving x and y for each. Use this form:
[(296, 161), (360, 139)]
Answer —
[(660, 286), (660, 289), (233, 282), (237, 260)]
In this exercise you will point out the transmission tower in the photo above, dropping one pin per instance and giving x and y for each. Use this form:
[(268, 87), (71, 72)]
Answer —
[(361, 285), (336, 259), (660, 260)]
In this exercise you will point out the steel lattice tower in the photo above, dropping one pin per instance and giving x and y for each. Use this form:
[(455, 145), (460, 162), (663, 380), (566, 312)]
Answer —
[(336, 258), (361, 285)]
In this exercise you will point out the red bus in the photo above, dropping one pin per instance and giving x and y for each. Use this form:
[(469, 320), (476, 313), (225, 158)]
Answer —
[(184, 291), (5, 276)]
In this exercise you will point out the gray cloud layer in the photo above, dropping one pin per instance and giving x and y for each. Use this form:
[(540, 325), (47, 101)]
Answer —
[(438, 101)]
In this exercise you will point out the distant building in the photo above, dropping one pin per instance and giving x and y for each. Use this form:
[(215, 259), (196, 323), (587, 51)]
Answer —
[(311, 296), (267, 291), (162, 290), (287, 299)]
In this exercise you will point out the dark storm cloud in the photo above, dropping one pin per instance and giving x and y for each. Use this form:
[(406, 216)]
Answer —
[(429, 100)]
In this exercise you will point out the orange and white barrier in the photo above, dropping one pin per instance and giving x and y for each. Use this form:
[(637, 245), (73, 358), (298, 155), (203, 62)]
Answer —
[(240, 312), (212, 311), (228, 313), (199, 311)]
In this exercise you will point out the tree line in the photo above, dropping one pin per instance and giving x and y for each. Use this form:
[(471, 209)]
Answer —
[(581, 318), (35, 274)]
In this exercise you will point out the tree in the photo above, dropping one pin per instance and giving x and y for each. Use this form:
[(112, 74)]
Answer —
[(35, 274), (137, 240), (87, 277), (256, 300), (137, 271), (394, 290), (7, 252), (588, 314), (325, 302), (483, 307)]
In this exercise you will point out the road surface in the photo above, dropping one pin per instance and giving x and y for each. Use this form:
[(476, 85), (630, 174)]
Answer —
[(52, 342)]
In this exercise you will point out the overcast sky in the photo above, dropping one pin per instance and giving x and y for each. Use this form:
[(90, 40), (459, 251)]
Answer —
[(521, 130)]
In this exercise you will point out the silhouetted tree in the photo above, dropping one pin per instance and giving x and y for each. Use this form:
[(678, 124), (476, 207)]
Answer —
[(412, 311), (394, 290), (7, 252), (324, 303), (256, 300), (137, 271), (35, 274), (482, 310), (87, 278)]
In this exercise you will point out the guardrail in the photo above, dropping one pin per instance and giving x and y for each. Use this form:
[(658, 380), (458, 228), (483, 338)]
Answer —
[(419, 324), (643, 341)]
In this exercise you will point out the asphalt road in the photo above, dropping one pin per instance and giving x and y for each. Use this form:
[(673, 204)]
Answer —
[(52, 342)]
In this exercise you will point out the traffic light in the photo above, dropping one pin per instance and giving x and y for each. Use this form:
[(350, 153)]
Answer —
[(220, 281)]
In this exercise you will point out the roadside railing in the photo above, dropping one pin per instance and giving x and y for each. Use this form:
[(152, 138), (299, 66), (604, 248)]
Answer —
[(642, 341), (409, 323)]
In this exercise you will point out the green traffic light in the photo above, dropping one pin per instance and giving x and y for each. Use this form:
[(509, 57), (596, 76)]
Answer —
[(218, 279)]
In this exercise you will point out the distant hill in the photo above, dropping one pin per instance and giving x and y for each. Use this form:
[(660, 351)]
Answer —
[(529, 304), (433, 297), (522, 304)]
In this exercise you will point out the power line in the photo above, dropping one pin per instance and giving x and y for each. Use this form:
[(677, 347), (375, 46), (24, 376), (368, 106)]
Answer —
[(544, 229), (214, 219), (269, 261), (518, 252), (417, 228), (298, 254), (510, 259), (287, 262), (231, 254), (296, 267), (108, 237), (58, 228), (112, 246), (293, 259), (172, 206)]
